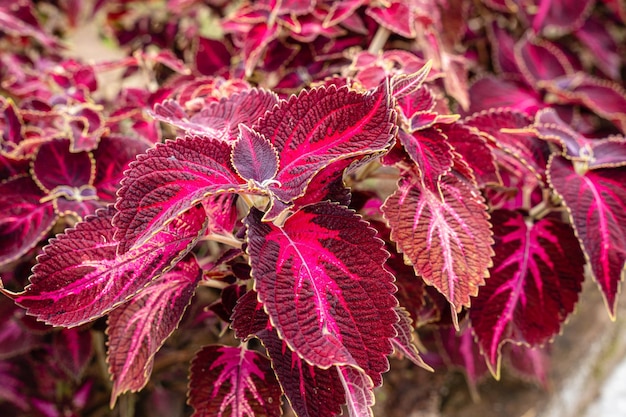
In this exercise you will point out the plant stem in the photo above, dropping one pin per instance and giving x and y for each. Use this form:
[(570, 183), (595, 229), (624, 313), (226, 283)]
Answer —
[(379, 40)]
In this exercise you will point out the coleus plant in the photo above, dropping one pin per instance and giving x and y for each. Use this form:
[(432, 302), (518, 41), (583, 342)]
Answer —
[(335, 221)]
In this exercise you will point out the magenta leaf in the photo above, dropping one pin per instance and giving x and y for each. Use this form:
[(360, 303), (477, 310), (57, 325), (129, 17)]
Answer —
[(79, 277), (405, 84), (445, 234), (562, 16), (254, 158), (168, 180), (328, 308), (230, 381), (528, 363), (321, 126), (540, 60), (595, 200), (311, 391), (490, 92), (138, 329), (248, 317), (24, 219), (534, 284), (54, 165), (220, 120), (430, 151), (72, 350)]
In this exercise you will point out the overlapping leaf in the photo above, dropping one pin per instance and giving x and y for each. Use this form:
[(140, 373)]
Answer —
[(359, 391), (230, 381), (72, 349), (79, 277), (311, 391), (321, 280), (168, 180), (24, 220), (321, 126), (445, 234), (404, 341), (533, 285), (138, 329), (54, 165), (596, 200)]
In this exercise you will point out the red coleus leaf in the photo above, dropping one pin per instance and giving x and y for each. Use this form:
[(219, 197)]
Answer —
[(138, 329), (248, 317), (601, 43), (254, 157), (595, 200), (556, 18), (79, 277), (219, 120), (529, 363), (311, 391), (430, 151), (230, 381), (72, 350), (539, 59), (492, 93), (24, 219), (533, 285), (444, 233), (397, 16), (328, 308), (321, 126), (55, 166), (168, 180), (606, 99)]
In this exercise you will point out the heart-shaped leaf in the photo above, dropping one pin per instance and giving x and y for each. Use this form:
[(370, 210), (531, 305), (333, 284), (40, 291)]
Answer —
[(72, 350), (321, 126), (445, 234), (168, 180), (138, 329), (234, 382), (595, 200), (54, 165), (533, 285), (79, 277), (329, 308), (311, 391), (24, 220)]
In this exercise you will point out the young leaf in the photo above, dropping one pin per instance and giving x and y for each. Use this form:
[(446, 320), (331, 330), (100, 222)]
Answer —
[(138, 329), (595, 200), (445, 234), (430, 150), (311, 391), (533, 285), (254, 157), (230, 381), (24, 219), (404, 341), (79, 277), (168, 180), (321, 280), (321, 126)]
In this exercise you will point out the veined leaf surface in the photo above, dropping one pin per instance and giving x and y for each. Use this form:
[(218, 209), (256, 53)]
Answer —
[(138, 329), (445, 234), (596, 200), (79, 277), (168, 180), (533, 285), (227, 381), (322, 282)]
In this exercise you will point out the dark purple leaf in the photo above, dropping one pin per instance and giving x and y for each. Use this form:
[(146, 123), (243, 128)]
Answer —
[(139, 328), (330, 308), (25, 220), (72, 350), (233, 381), (533, 285), (79, 277), (254, 158), (55, 166)]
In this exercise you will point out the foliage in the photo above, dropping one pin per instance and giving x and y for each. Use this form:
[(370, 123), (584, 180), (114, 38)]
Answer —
[(278, 196)]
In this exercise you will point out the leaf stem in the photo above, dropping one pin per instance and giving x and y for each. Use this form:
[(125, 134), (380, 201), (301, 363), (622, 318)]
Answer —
[(229, 240), (379, 40)]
